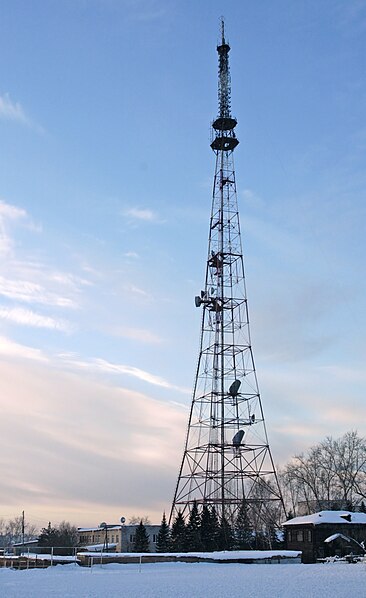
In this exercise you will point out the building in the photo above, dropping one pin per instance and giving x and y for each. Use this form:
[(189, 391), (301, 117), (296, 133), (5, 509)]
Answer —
[(26, 546), (327, 533), (114, 538)]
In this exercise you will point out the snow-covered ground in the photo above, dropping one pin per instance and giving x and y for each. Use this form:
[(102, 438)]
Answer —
[(181, 580)]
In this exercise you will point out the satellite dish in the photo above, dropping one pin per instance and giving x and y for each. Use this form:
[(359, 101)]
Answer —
[(197, 301), (123, 519), (234, 388), (103, 524), (238, 438)]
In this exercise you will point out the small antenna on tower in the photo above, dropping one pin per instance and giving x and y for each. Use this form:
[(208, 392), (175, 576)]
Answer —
[(222, 30)]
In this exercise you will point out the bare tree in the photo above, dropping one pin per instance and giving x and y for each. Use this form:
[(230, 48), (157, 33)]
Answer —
[(11, 531), (136, 519), (331, 473)]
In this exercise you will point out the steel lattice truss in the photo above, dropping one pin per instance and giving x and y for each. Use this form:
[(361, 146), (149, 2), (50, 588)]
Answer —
[(227, 458)]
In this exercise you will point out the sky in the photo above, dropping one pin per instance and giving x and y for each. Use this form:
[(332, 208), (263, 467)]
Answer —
[(105, 191)]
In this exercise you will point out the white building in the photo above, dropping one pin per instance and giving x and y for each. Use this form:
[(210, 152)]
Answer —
[(115, 538)]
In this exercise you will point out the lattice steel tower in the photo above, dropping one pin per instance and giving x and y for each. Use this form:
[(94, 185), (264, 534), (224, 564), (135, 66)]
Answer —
[(227, 458)]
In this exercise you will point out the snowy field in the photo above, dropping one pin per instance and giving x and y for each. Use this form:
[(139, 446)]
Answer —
[(182, 580)]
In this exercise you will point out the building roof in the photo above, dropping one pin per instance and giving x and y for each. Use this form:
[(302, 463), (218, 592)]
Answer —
[(332, 517), (98, 529), (26, 542)]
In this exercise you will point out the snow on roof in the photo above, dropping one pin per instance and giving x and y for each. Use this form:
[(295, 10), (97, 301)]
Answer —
[(328, 517), (336, 536), (34, 541), (98, 547), (98, 529)]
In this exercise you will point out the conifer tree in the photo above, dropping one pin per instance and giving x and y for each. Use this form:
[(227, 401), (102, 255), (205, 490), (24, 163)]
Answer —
[(178, 536), (209, 529), (244, 538), (141, 541), (49, 536), (225, 536), (193, 532), (163, 542)]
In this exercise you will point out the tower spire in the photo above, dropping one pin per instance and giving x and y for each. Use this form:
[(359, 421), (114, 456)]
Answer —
[(224, 124), (227, 460), (224, 90)]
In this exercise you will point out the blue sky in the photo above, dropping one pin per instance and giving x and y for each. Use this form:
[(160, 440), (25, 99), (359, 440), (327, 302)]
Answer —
[(105, 188)]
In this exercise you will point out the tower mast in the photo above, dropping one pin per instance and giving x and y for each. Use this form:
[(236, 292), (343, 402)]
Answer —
[(227, 458)]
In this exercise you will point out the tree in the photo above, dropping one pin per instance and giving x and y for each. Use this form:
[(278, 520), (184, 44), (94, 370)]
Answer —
[(179, 534), (11, 531), (141, 542), (68, 534), (332, 474), (243, 528), (63, 536), (209, 529), (193, 530), (135, 520), (225, 535), (49, 536), (163, 542)]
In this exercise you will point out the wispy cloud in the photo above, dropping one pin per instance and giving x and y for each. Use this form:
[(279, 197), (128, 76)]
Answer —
[(30, 318), (10, 211), (102, 365), (11, 349), (142, 214), (137, 334), (131, 288), (31, 292), (14, 111)]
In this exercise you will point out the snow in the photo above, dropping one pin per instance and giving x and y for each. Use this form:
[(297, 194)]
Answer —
[(99, 529), (328, 517), (336, 536), (217, 556), (182, 580), (99, 547)]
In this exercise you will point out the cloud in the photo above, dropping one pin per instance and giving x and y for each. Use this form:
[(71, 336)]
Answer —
[(13, 111), (30, 318), (102, 365), (131, 288), (98, 436), (142, 214), (137, 334), (31, 292), (10, 211), (8, 348)]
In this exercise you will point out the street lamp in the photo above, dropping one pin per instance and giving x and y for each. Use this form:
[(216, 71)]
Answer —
[(123, 521)]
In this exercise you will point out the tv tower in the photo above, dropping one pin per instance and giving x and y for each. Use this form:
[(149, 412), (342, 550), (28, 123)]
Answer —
[(227, 458)]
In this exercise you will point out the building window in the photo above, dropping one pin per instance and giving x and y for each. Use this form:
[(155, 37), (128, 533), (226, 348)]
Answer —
[(155, 538), (289, 536), (113, 539), (132, 538), (300, 535), (307, 535), (117, 538)]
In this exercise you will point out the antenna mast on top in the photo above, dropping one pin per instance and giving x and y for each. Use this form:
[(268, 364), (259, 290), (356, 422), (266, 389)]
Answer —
[(224, 90)]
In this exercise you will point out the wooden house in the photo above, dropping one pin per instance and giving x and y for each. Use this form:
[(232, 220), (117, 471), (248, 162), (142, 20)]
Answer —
[(328, 533)]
